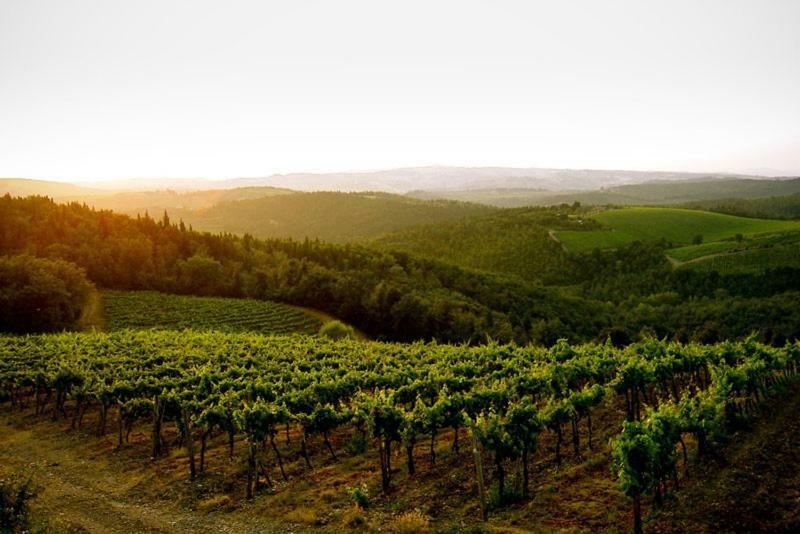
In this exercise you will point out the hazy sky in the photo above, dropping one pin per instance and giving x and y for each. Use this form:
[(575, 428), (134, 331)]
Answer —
[(110, 89)]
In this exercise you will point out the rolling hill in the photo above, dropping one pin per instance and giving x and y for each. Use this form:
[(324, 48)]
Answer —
[(514, 242), (329, 216), (656, 192), (133, 202), (22, 187), (155, 202)]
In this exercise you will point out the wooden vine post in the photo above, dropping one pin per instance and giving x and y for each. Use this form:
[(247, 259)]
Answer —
[(476, 451)]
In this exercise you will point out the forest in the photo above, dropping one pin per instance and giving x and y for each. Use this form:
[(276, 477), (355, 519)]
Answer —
[(627, 293)]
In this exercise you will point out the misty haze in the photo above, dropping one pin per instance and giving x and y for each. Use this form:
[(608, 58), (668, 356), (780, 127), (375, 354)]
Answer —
[(399, 267)]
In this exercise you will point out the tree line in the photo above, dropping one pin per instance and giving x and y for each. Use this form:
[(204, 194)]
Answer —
[(628, 294)]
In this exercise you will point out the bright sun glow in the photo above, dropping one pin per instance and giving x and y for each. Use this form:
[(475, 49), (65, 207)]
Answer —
[(110, 89)]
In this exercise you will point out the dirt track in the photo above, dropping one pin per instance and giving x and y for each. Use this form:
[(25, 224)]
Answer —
[(79, 493)]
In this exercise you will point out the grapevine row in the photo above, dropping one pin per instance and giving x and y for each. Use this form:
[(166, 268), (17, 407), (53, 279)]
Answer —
[(398, 395)]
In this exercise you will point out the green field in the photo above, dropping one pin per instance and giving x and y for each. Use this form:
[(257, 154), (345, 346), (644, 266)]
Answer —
[(150, 309), (678, 226)]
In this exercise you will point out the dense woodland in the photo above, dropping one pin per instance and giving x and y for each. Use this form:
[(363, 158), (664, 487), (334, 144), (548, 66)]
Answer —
[(625, 294)]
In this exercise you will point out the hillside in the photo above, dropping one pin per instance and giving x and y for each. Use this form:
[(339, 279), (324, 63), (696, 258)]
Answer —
[(329, 216), (22, 187), (517, 242), (631, 292), (387, 295), (677, 226), (654, 192), (155, 202)]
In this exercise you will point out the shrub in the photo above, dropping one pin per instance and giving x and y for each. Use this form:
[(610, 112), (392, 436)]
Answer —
[(336, 330), (15, 495), (360, 496)]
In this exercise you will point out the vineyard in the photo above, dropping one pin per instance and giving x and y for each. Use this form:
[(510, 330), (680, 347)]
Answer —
[(150, 309), (756, 260), (287, 407)]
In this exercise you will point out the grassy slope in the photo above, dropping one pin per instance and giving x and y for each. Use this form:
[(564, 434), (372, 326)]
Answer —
[(329, 216), (676, 225), (149, 309)]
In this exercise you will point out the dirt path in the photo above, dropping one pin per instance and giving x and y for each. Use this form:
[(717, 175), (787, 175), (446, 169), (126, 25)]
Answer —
[(677, 262), (79, 493), (555, 238), (755, 488)]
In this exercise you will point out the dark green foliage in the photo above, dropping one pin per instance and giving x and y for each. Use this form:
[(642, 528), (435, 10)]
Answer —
[(16, 492), (40, 295), (387, 295), (626, 293), (336, 330), (360, 496)]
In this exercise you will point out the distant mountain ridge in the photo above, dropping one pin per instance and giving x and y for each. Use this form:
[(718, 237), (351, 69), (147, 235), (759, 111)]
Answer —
[(406, 179), (403, 180)]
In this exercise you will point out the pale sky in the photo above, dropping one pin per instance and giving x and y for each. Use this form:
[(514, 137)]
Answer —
[(113, 89)]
